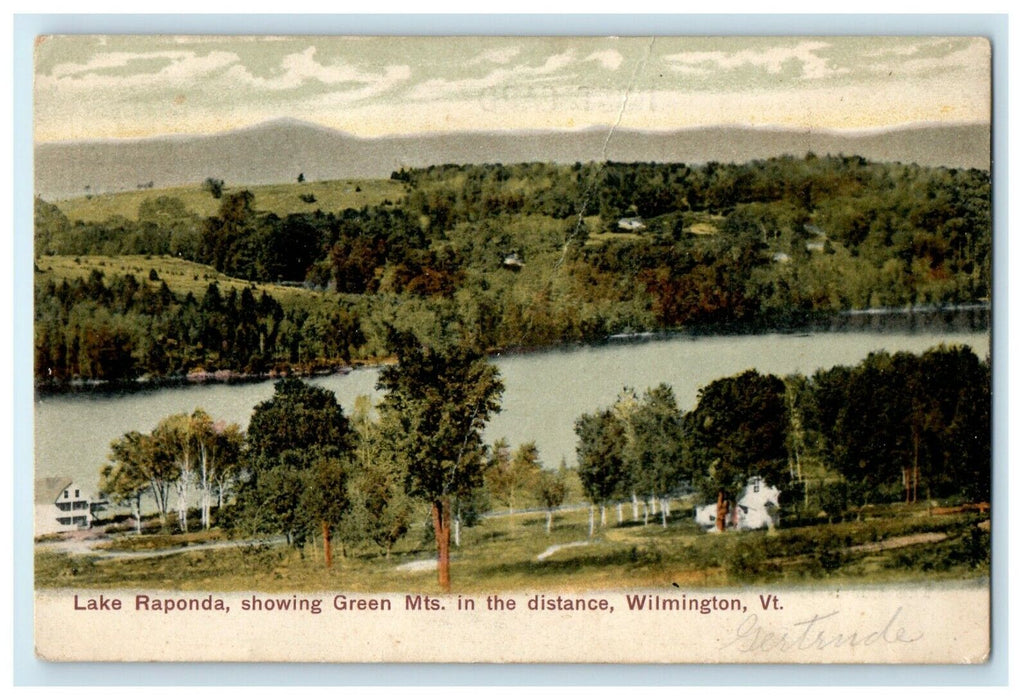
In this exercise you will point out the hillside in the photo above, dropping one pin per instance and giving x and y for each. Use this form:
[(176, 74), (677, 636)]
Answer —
[(281, 200), (276, 152)]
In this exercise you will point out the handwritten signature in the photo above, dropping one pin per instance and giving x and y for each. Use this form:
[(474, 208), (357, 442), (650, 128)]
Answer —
[(817, 632)]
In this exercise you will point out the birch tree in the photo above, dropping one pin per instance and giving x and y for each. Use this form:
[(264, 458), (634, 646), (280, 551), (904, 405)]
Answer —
[(601, 452), (551, 491), (658, 449), (173, 439)]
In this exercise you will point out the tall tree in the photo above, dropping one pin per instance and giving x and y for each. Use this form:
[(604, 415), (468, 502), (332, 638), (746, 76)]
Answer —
[(601, 453), (441, 396), (298, 416), (174, 444), (737, 431), (509, 476), (217, 449), (298, 442), (125, 477), (658, 449)]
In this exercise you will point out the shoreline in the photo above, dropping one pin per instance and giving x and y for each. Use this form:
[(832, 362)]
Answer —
[(975, 317)]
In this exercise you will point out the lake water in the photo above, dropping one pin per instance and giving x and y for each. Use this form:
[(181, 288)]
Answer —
[(544, 392)]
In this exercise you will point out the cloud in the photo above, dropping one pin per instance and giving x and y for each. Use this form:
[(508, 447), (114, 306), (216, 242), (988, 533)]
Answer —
[(907, 49), (298, 69), (973, 56), (610, 58), (772, 60), (518, 76), (95, 74)]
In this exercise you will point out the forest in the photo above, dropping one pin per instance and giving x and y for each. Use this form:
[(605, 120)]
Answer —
[(528, 255)]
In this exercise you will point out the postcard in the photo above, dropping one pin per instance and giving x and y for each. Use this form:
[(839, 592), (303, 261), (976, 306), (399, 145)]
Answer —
[(513, 349)]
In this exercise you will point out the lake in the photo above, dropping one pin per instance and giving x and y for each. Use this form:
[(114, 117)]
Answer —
[(544, 391)]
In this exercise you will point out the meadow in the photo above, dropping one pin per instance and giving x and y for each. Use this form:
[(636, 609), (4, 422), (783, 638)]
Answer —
[(888, 544)]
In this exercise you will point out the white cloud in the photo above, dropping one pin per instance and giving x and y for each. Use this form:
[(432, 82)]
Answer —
[(975, 56), (301, 68), (907, 49), (518, 75), (610, 58), (772, 60), (180, 67)]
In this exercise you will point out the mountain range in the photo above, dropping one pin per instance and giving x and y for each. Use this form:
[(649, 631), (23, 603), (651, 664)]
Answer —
[(277, 151)]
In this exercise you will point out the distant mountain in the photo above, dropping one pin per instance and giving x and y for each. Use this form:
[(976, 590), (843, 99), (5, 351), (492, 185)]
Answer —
[(278, 151)]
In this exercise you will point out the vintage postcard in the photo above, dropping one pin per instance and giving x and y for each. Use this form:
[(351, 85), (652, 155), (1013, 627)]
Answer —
[(513, 349)]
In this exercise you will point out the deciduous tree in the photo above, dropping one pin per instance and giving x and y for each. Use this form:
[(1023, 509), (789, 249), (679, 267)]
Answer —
[(737, 431), (441, 396)]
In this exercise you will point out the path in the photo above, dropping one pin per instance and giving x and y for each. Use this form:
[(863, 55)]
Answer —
[(90, 546)]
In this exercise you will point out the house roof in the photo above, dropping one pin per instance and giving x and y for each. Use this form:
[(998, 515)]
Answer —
[(48, 489)]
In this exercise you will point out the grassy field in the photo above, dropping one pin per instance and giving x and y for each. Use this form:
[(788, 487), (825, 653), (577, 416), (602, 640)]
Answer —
[(896, 544), (330, 196), (182, 276)]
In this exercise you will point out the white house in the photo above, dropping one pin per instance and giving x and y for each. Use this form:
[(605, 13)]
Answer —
[(757, 506), (631, 224), (513, 261), (61, 505)]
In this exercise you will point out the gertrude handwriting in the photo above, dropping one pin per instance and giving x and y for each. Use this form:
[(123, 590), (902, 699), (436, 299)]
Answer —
[(817, 632)]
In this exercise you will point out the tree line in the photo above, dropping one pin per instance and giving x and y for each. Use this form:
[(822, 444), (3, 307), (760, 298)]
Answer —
[(120, 329), (895, 427)]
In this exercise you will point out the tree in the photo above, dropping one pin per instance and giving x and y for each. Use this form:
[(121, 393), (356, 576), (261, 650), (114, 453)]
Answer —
[(227, 453), (658, 448), (214, 186), (174, 445), (507, 476), (737, 431), (381, 510), (441, 397), (218, 449), (601, 453), (298, 442), (551, 491), (917, 425), (126, 476), (499, 474), (325, 498), (297, 417)]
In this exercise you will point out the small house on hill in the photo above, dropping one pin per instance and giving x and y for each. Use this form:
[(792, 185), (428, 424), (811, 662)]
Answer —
[(757, 506), (631, 224), (62, 505), (513, 261)]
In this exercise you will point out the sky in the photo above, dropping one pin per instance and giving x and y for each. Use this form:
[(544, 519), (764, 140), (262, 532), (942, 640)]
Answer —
[(104, 87)]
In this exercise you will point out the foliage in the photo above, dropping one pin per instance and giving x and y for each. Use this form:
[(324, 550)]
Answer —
[(778, 241), (658, 450), (737, 431), (439, 398), (601, 454), (299, 446), (913, 426)]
